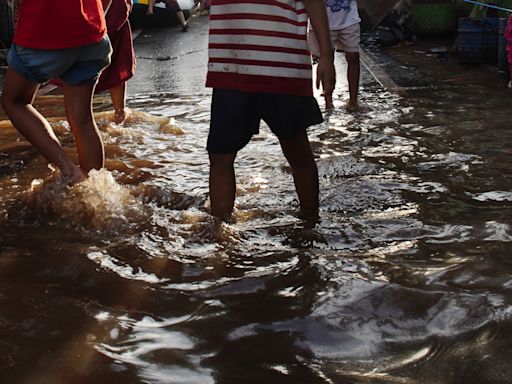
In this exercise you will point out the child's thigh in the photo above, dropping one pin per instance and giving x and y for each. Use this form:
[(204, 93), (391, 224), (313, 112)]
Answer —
[(234, 120), (289, 115)]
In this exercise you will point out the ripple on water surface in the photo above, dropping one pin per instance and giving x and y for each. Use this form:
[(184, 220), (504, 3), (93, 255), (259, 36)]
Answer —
[(403, 279)]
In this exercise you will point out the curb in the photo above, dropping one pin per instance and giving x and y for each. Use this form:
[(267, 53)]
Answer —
[(380, 75)]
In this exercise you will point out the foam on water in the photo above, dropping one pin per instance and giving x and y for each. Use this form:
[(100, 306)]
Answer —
[(98, 203), (135, 119)]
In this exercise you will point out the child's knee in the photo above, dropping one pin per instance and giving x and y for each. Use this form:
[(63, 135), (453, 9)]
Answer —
[(352, 57), (299, 157), (221, 160)]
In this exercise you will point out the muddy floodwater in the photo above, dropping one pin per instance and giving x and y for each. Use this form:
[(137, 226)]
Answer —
[(406, 277)]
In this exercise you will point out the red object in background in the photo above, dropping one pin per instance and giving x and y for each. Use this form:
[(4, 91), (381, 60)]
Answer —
[(122, 61), (122, 66), (508, 36)]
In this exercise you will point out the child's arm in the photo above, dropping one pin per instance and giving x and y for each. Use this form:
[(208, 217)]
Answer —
[(106, 5), (325, 71)]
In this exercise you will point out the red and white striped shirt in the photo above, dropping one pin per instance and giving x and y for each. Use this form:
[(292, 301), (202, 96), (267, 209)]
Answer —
[(259, 46)]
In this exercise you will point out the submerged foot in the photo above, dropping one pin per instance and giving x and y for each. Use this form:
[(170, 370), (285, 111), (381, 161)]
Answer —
[(73, 177), (120, 115), (352, 106), (184, 27)]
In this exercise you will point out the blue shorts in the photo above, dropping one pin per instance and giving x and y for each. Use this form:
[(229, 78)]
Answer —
[(74, 66), (236, 116)]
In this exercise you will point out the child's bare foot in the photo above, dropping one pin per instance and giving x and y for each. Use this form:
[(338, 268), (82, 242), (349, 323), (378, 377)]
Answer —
[(120, 115), (73, 177), (328, 100), (352, 106)]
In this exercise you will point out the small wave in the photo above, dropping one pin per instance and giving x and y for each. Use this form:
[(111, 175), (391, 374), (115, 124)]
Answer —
[(497, 231), (123, 270), (134, 118), (493, 196), (452, 160)]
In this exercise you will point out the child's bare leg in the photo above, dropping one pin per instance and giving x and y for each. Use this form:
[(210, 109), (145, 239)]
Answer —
[(118, 96), (17, 97), (305, 174), (328, 100), (78, 102), (353, 74), (222, 184)]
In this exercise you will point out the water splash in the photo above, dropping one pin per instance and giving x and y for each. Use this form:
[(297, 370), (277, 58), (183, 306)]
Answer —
[(98, 203), (136, 118)]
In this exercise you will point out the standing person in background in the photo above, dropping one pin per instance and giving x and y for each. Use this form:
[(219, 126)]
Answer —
[(65, 39), (174, 6), (344, 25), (122, 65), (122, 61), (260, 68)]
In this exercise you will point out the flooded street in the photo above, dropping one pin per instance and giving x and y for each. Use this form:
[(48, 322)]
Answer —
[(406, 277)]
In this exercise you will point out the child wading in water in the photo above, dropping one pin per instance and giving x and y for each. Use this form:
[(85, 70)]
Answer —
[(344, 25), (64, 39), (260, 68)]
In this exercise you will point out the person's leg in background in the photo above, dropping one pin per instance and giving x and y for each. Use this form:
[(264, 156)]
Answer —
[(353, 74), (349, 40), (151, 5), (118, 96), (174, 5)]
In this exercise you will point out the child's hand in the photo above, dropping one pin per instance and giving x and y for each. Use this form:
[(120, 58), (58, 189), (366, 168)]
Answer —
[(326, 76)]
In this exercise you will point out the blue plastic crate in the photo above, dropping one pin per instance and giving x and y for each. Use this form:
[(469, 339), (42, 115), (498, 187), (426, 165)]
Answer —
[(478, 40)]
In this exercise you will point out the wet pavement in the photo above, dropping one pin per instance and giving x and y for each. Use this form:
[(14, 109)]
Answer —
[(406, 278), (171, 61)]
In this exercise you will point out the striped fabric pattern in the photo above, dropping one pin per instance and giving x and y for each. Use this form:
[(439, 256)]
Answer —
[(259, 46)]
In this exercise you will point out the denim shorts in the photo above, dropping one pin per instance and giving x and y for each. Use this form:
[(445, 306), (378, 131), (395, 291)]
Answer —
[(74, 66), (236, 117)]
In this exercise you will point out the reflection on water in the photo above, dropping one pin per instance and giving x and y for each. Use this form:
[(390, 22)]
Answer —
[(127, 278)]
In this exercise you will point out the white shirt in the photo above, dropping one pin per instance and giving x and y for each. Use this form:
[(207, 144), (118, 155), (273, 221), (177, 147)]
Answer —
[(342, 13)]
